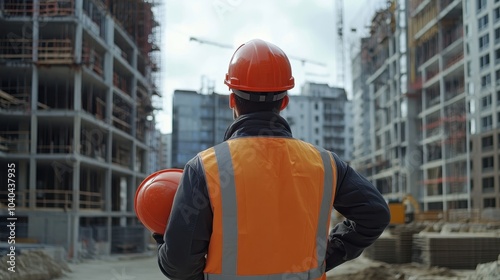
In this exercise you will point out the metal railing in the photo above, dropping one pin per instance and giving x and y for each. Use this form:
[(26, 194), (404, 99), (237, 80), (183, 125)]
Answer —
[(59, 199)]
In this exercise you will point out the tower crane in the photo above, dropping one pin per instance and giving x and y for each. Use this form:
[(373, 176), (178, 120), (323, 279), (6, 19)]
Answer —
[(340, 39), (226, 46)]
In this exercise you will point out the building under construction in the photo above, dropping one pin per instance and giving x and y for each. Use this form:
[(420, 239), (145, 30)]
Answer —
[(76, 87), (482, 25), (437, 80), (386, 112)]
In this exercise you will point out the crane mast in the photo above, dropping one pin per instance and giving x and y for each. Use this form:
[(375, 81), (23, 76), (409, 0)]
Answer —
[(340, 40)]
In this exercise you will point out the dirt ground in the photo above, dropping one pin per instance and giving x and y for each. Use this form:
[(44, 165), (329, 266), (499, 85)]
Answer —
[(145, 267)]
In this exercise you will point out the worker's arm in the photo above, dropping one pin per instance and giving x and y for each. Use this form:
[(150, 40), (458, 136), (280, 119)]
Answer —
[(182, 256), (366, 212)]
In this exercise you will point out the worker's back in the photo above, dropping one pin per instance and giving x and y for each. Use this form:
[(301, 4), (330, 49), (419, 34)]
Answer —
[(271, 200)]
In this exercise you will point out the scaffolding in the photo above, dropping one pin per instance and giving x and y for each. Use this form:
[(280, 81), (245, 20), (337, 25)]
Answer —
[(138, 20), (14, 141), (92, 59), (49, 8), (48, 51), (42, 72)]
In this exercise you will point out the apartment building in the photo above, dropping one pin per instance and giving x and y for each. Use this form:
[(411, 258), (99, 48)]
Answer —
[(437, 80), (76, 84), (199, 121), (482, 79), (159, 151), (385, 114), (322, 115), (362, 111)]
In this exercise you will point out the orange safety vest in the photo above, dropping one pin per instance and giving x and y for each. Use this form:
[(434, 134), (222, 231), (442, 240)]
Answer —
[(271, 200)]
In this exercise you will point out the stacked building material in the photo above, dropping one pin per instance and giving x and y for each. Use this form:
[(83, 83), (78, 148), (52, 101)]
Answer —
[(396, 245), (455, 250), (384, 250), (404, 241)]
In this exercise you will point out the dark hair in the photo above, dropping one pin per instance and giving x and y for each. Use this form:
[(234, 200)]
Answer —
[(246, 106)]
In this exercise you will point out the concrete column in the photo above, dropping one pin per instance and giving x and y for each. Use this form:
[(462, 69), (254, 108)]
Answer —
[(75, 226), (22, 183), (108, 175), (108, 56), (109, 227), (442, 116), (77, 106), (131, 193), (78, 43), (34, 106), (35, 33), (133, 62), (33, 138), (78, 9), (76, 186), (133, 91)]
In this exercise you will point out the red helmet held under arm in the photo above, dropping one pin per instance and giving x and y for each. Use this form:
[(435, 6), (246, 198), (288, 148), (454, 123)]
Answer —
[(154, 198)]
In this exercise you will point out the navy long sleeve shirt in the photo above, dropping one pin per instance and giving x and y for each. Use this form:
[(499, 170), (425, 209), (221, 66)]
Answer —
[(187, 236)]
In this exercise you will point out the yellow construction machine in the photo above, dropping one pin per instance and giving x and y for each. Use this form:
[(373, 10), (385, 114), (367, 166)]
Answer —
[(400, 211)]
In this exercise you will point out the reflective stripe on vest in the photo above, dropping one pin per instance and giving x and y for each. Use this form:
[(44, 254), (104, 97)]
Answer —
[(229, 220)]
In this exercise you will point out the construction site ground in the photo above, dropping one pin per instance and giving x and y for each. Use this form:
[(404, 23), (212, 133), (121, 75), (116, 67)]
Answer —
[(135, 267)]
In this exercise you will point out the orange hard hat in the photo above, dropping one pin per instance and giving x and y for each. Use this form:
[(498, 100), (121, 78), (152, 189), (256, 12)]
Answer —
[(259, 66), (154, 198)]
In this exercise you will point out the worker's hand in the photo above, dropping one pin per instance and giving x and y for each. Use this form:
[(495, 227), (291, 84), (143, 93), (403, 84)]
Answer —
[(158, 237)]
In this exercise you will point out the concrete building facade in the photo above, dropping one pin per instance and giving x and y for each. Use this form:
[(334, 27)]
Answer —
[(362, 111), (386, 114), (322, 116), (76, 83), (437, 79), (199, 121), (482, 80), (160, 151)]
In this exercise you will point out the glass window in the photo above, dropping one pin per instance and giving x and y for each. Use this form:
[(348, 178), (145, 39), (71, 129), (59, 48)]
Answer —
[(402, 64), (486, 102), (487, 163), (484, 41), (482, 22), (484, 61), (486, 123), (402, 42), (486, 80), (497, 56), (471, 88), (487, 143), (488, 184), (404, 83), (404, 108), (489, 203), (402, 18), (480, 4)]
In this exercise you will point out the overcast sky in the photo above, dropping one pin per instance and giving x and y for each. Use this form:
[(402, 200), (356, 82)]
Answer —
[(302, 28)]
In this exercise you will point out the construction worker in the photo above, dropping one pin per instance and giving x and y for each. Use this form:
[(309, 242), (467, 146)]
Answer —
[(258, 205)]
